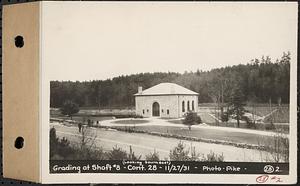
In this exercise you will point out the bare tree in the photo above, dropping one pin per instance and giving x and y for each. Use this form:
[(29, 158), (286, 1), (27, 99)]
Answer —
[(87, 142)]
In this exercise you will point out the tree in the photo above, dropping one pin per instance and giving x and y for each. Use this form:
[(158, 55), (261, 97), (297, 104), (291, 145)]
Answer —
[(152, 156), (191, 118), (69, 108), (117, 154), (263, 77), (179, 153), (213, 157), (236, 105), (53, 142), (252, 101), (59, 148), (131, 155)]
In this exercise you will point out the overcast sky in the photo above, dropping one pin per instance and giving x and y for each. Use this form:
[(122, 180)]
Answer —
[(94, 40)]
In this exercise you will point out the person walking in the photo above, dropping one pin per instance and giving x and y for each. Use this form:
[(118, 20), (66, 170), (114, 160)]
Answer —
[(79, 127)]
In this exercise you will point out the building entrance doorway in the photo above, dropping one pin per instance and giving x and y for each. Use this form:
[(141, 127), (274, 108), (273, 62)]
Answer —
[(155, 109)]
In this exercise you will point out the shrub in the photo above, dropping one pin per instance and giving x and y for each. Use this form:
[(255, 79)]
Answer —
[(225, 117), (129, 129), (152, 156), (250, 123), (194, 155), (191, 118), (138, 116), (213, 157), (132, 156), (81, 154), (59, 148), (179, 153), (277, 147), (270, 126), (280, 150), (98, 154), (116, 154), (64, 148)]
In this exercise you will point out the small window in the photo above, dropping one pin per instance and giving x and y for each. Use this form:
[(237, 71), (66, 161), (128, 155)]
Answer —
[(183, 106), (168, 112), (147, 110), (162, 110), (143, 111), (188, 105)]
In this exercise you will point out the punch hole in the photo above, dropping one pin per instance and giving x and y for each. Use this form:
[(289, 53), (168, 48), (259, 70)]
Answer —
[(19, 142), (19, 41)]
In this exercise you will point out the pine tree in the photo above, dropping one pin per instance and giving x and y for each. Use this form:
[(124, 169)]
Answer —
[(236, 104), (69, 108)]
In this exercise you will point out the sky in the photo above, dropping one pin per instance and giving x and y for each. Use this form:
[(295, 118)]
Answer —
[(100, 40)]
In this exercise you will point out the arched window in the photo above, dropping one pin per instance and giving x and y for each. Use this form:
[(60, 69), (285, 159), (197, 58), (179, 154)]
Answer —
[(183, 106), (188, 105), (193, 107)]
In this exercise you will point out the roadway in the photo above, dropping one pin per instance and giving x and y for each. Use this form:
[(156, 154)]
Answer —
[(143, 144)]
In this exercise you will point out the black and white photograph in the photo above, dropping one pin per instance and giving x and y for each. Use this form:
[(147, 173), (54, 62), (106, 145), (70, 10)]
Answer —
[(150, 92), (204, 82), (233, 113)]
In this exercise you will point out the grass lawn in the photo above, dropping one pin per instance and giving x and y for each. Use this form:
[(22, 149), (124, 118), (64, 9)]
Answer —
[(85, 118), (176, 121), (208, 134), (131, 121)]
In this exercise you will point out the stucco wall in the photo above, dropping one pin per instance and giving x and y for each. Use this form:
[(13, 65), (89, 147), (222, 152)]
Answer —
[(173, 103), (187, 98), (145, 103)]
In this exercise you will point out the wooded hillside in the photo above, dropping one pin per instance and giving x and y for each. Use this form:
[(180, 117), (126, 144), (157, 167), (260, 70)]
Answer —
[(260, 81)]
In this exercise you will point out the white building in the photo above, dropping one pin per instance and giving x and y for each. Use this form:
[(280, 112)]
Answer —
[(167, 100)]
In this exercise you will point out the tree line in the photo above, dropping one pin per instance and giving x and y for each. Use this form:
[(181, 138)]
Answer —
[(262, 80)]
